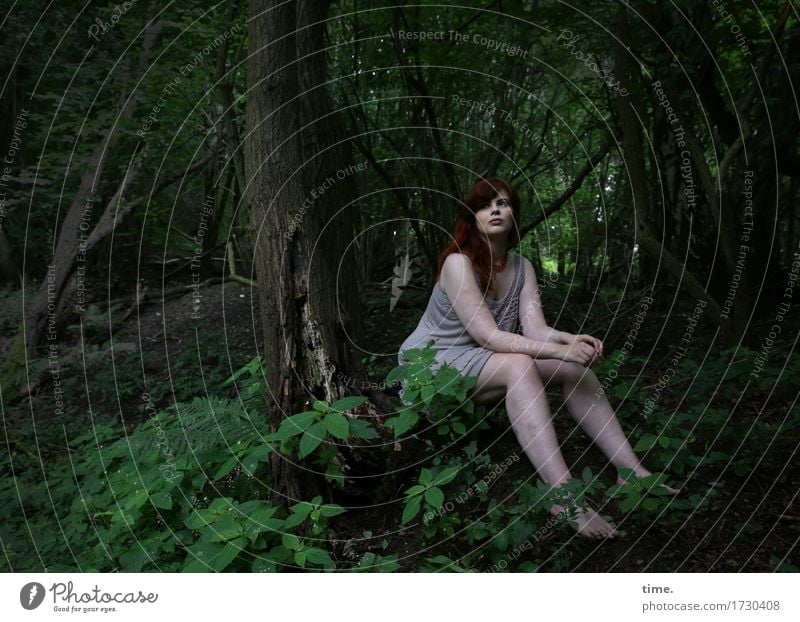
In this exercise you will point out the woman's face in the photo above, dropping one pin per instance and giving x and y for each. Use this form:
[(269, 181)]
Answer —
[(496, 218)]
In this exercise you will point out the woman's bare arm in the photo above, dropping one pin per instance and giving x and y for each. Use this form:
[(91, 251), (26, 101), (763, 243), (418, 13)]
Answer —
[(458, 281), (531, 316), (534, 325)]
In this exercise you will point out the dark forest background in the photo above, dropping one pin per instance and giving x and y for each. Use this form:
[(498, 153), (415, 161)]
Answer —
[(219, 221)]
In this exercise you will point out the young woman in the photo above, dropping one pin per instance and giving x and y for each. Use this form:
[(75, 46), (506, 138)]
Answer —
[(483, 295)]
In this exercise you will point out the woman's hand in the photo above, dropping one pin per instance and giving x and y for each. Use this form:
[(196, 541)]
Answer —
[(594, 342), (583, 344), (577, 352)]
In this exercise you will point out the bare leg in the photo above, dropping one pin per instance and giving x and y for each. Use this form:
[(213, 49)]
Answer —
[(529, 413), (589, 407)]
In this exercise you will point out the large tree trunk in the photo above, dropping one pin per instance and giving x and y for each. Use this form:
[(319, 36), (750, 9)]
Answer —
[(300, 233)]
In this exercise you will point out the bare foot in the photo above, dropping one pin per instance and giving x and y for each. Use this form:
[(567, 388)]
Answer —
[(642, 472), (589, 523)]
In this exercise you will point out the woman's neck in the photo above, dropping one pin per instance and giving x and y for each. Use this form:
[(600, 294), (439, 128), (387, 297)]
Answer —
[(497, 250)]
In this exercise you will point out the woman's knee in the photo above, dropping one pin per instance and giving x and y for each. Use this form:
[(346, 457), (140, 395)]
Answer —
[(574, 374), (519, 368)]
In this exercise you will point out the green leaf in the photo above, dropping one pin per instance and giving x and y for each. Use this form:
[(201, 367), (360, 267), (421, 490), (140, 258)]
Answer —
[(362, 429), (445, 389), (291, 542), (331, 510), (411, 509), (646, 442), (197, 519), (398, 373), (225, 529), (133, 560), (161, 500), (201, 555), (256, 455), (403, 422), (630, 502), (249, 464), (434, 496), (659, 491), (412, 394), (319, 557), (337, 425), (293, 520), (261, 452), (468, 382), (348, 403), (300, 558), (303, 508), (425, 476), (664, 441), (296, 424), (415, 490), (212, 555), (428, 391), (260, 522), (226, 468), (446, 476), (136, 500), (650, 504), (251, 368), (320, 406), (220, 505), (312, 438)]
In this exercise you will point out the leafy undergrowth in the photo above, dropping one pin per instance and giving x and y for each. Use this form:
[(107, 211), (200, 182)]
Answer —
[(188, 489)]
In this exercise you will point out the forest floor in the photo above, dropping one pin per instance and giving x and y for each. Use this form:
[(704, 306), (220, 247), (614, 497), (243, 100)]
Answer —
[(751, 519), (175, 350)]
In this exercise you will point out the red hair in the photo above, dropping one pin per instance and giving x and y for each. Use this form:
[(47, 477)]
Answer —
[(468, 241)]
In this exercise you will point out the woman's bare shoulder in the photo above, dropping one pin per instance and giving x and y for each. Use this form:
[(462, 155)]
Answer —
[(457, 258), (454, 267)]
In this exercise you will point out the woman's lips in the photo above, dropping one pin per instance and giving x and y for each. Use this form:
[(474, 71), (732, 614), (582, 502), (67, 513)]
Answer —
[(495, 221)]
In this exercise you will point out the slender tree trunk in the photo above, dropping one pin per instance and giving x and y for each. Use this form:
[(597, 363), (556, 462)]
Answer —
[(8, 267), (650, 247), (80, 212)]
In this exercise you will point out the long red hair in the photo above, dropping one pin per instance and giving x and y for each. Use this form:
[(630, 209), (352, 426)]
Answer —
[(468, 241)]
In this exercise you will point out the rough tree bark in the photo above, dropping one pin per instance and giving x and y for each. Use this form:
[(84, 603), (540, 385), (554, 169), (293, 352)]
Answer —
[(299, 215)]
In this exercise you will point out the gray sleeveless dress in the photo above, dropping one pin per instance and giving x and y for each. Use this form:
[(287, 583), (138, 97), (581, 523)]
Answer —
[(453, 343)]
